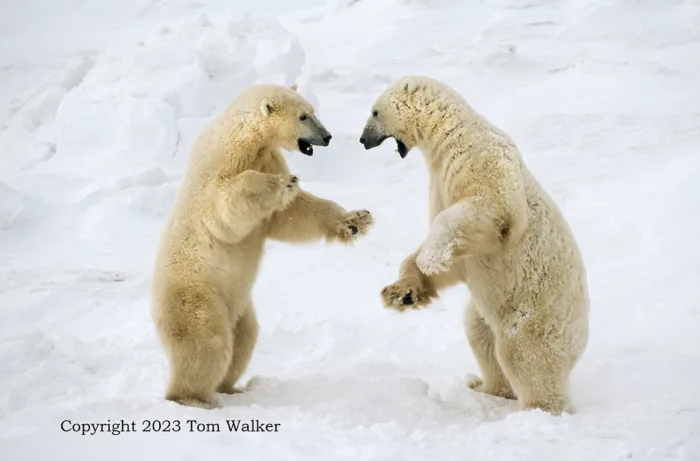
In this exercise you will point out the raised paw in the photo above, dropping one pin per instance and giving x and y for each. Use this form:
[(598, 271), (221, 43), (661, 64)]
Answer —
[(283, 188), (285, 182), (433, 259), (407, 294), (352, 225)]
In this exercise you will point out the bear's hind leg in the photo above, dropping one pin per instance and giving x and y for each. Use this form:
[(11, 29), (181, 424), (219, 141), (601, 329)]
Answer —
[(245, 336), (539, 375), (198, 363), (483, 344)]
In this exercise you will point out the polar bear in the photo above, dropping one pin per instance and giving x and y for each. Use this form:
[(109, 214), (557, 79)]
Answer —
[(237, 191), (495, 229)]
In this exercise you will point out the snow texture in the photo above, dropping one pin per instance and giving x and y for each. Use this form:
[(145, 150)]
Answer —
[(100, 103)]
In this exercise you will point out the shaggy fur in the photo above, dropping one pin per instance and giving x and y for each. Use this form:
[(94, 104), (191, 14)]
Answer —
[(494, 228), (237, 192)]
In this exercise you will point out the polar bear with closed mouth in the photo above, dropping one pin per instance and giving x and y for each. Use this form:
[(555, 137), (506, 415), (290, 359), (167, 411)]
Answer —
[(494, 228)]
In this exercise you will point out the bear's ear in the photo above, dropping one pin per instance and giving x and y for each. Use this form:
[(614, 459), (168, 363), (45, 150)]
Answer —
[(266, 107), (410, 87), (294, 86)]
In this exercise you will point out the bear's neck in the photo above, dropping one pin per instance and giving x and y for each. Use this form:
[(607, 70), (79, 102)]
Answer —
[(242, 144), (443, 145)]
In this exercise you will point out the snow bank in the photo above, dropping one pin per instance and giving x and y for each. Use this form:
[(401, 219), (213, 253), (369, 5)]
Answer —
[(110, 131), (11, 205), (333, 7), (120, 121), (116, 112)]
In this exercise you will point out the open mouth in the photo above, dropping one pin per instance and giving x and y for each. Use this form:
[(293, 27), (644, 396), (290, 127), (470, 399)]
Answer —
[(305, 147), (401, 148), (371, 143)]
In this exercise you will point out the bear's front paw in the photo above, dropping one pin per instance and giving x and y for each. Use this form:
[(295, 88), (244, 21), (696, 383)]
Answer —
[(434, 259), (352, 225), (283, 188), (407, 294)]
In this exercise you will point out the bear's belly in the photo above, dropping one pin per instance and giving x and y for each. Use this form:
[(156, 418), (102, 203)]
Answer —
[(492, 279), (235, 267), (536, 275)]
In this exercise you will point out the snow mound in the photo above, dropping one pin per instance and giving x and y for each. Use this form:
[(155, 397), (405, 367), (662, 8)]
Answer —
[(333, 7), (12, 205), (116, 112)]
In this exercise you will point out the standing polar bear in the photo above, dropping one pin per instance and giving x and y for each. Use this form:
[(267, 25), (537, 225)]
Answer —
[(237, 192), (494, 228)]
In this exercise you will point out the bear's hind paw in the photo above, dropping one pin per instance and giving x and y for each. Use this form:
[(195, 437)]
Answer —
[(230, 390), (476, 384)]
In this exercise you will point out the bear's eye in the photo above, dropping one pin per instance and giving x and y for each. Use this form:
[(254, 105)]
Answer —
[(374, 113), (303, 117)]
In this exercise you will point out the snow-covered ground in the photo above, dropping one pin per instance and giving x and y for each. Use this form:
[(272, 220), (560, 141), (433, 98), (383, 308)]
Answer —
[(100, 102)]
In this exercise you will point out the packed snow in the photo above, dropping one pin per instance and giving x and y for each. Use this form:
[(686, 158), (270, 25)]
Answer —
[(100, 102)]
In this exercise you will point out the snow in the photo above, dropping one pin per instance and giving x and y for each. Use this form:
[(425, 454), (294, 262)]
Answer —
[(101, 101)]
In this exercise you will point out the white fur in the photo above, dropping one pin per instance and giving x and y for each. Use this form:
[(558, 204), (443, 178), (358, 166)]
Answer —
[(438, 249), (494, 228), (237, 192)]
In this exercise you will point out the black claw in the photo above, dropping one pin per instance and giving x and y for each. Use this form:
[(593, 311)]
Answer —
[(407, 299), (353, 229)]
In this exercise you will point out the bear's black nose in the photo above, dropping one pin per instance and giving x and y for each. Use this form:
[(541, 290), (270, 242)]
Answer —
[(362, 140), (327, 139)]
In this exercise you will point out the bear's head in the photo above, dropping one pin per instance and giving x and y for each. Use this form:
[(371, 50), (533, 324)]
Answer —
[(288, 119), (395, 114)]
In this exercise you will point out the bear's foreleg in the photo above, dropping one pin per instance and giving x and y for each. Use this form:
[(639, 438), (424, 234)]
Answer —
[(309, 218), (469, 227), (243, 201)]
